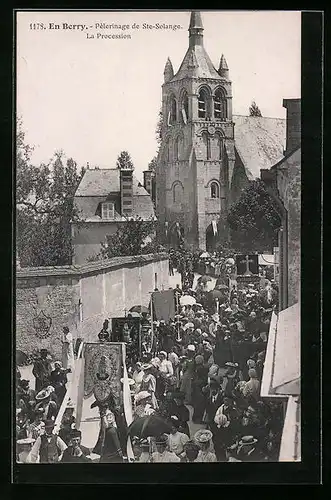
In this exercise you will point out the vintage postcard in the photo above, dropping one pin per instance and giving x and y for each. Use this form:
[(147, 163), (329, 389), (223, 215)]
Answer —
[(158, 229)]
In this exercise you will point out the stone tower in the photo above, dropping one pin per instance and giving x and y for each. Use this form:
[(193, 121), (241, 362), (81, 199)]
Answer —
[(196, 156)]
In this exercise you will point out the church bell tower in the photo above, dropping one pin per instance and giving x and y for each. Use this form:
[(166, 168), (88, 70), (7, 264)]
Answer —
[(196, 156)]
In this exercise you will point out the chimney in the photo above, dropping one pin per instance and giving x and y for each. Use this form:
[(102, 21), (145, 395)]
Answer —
[(126, 186), (293, 124)]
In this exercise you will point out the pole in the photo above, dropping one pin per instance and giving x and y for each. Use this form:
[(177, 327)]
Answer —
[(152, 322)]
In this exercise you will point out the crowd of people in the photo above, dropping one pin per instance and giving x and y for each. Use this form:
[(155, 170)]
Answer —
[(196, 392)]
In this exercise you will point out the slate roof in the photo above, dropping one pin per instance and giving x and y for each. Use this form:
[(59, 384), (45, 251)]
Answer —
[(196, 64), (103, 181), (259, 141), (96, 185)]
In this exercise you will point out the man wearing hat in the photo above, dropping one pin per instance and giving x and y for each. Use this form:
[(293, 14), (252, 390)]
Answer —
[(49, 447), (76, 453), (162, 455), (203, 438), (179, 409), (26, 397), (59, 380), (188, 373), (247, 450), (42, 370)]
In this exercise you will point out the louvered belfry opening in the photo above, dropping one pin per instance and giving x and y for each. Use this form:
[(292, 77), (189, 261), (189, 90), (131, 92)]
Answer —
[(202, 104), (126, 192)]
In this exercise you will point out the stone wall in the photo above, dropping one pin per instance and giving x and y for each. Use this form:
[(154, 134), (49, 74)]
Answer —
[(82, 297)]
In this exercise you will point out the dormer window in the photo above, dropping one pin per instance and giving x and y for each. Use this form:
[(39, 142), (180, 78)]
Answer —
[(107, 210)]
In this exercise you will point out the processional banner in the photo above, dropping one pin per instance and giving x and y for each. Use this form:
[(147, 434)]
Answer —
[(103, 369)]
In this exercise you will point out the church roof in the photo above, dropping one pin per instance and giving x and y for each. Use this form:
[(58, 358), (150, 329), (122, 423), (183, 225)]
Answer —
[(196, 64), (259, 141), (100, 182)]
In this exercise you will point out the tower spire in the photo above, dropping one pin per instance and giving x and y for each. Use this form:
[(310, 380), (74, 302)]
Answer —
[(168, 70), (223, 69), (195, 29)]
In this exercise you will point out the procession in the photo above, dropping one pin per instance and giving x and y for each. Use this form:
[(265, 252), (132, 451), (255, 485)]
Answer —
[(194, 383)]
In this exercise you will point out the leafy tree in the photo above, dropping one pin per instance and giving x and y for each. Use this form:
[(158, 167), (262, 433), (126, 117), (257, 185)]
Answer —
[(152, 164), (254, 219), (124, 161), (45, 207), (134, 237), (158, 131), (254, 110)]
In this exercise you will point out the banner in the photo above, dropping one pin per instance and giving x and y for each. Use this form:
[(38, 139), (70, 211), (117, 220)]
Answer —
[(164, 305), (247, 264), (127, 403), (106, 358), (214, 226)]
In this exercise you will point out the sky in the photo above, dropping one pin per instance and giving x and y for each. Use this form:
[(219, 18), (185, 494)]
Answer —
[(94, 97)]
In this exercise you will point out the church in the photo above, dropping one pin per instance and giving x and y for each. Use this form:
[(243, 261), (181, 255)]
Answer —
[(207, 155)]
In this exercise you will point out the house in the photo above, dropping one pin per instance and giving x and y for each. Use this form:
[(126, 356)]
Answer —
[(282, 370), (106, 198), (207, 154)]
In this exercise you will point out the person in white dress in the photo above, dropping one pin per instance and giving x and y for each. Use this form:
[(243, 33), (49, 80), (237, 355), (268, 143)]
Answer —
[(67, 349), (162, 454), (177, 440)]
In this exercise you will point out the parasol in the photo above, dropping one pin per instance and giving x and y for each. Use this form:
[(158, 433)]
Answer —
[(216, 294), (222, 287), (204, 279), (134, 314), (149, 425), (187, 300), (139, 309)]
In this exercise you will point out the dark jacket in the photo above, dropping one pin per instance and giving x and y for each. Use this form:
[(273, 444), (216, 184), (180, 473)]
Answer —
[(68, 456)]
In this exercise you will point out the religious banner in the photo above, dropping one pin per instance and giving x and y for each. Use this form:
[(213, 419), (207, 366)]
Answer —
[(103, 370), (42, 325), (164, 305), (247, 264)]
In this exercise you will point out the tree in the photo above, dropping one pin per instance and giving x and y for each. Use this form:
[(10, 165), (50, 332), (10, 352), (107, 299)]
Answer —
[(134, 237), (254, 219), (152, 164), (254, 110), (45, 207), (158, 130), (124, 161)]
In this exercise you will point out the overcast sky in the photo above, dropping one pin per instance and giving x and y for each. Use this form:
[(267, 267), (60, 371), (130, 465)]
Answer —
[(95, 97)]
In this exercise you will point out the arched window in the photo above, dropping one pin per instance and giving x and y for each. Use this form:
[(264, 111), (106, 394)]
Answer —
[(219, 147), (172, 116), (184, 107), (177, 192), (220, 105), (206, 142), (177, 148), (202, 103), (214, 190)]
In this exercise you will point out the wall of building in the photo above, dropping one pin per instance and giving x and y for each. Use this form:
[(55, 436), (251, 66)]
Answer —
[(289, 189), (87, 238), (81, 297)]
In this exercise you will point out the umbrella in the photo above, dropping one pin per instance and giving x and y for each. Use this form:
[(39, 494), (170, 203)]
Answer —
[(204, 279), (216, 294), (187, 300), (222, 287), (150, 425), (188, 325), (139, 309), (134, 314), (204, 255)]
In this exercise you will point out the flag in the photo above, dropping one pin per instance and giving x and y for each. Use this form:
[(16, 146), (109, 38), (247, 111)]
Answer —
[(214, 225), (127, 404)]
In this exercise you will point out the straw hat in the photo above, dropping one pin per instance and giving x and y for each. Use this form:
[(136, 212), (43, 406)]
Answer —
[(247, 440), (44, 394), (203, 436)]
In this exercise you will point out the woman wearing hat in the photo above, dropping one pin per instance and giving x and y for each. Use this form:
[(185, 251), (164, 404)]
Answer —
[(203, 438), (148, 383), (44, 402), (162, 455), (143, 404), (199, 381), (177, 439), (188, 372), (191, 451), (252, 388), (137, 376)]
